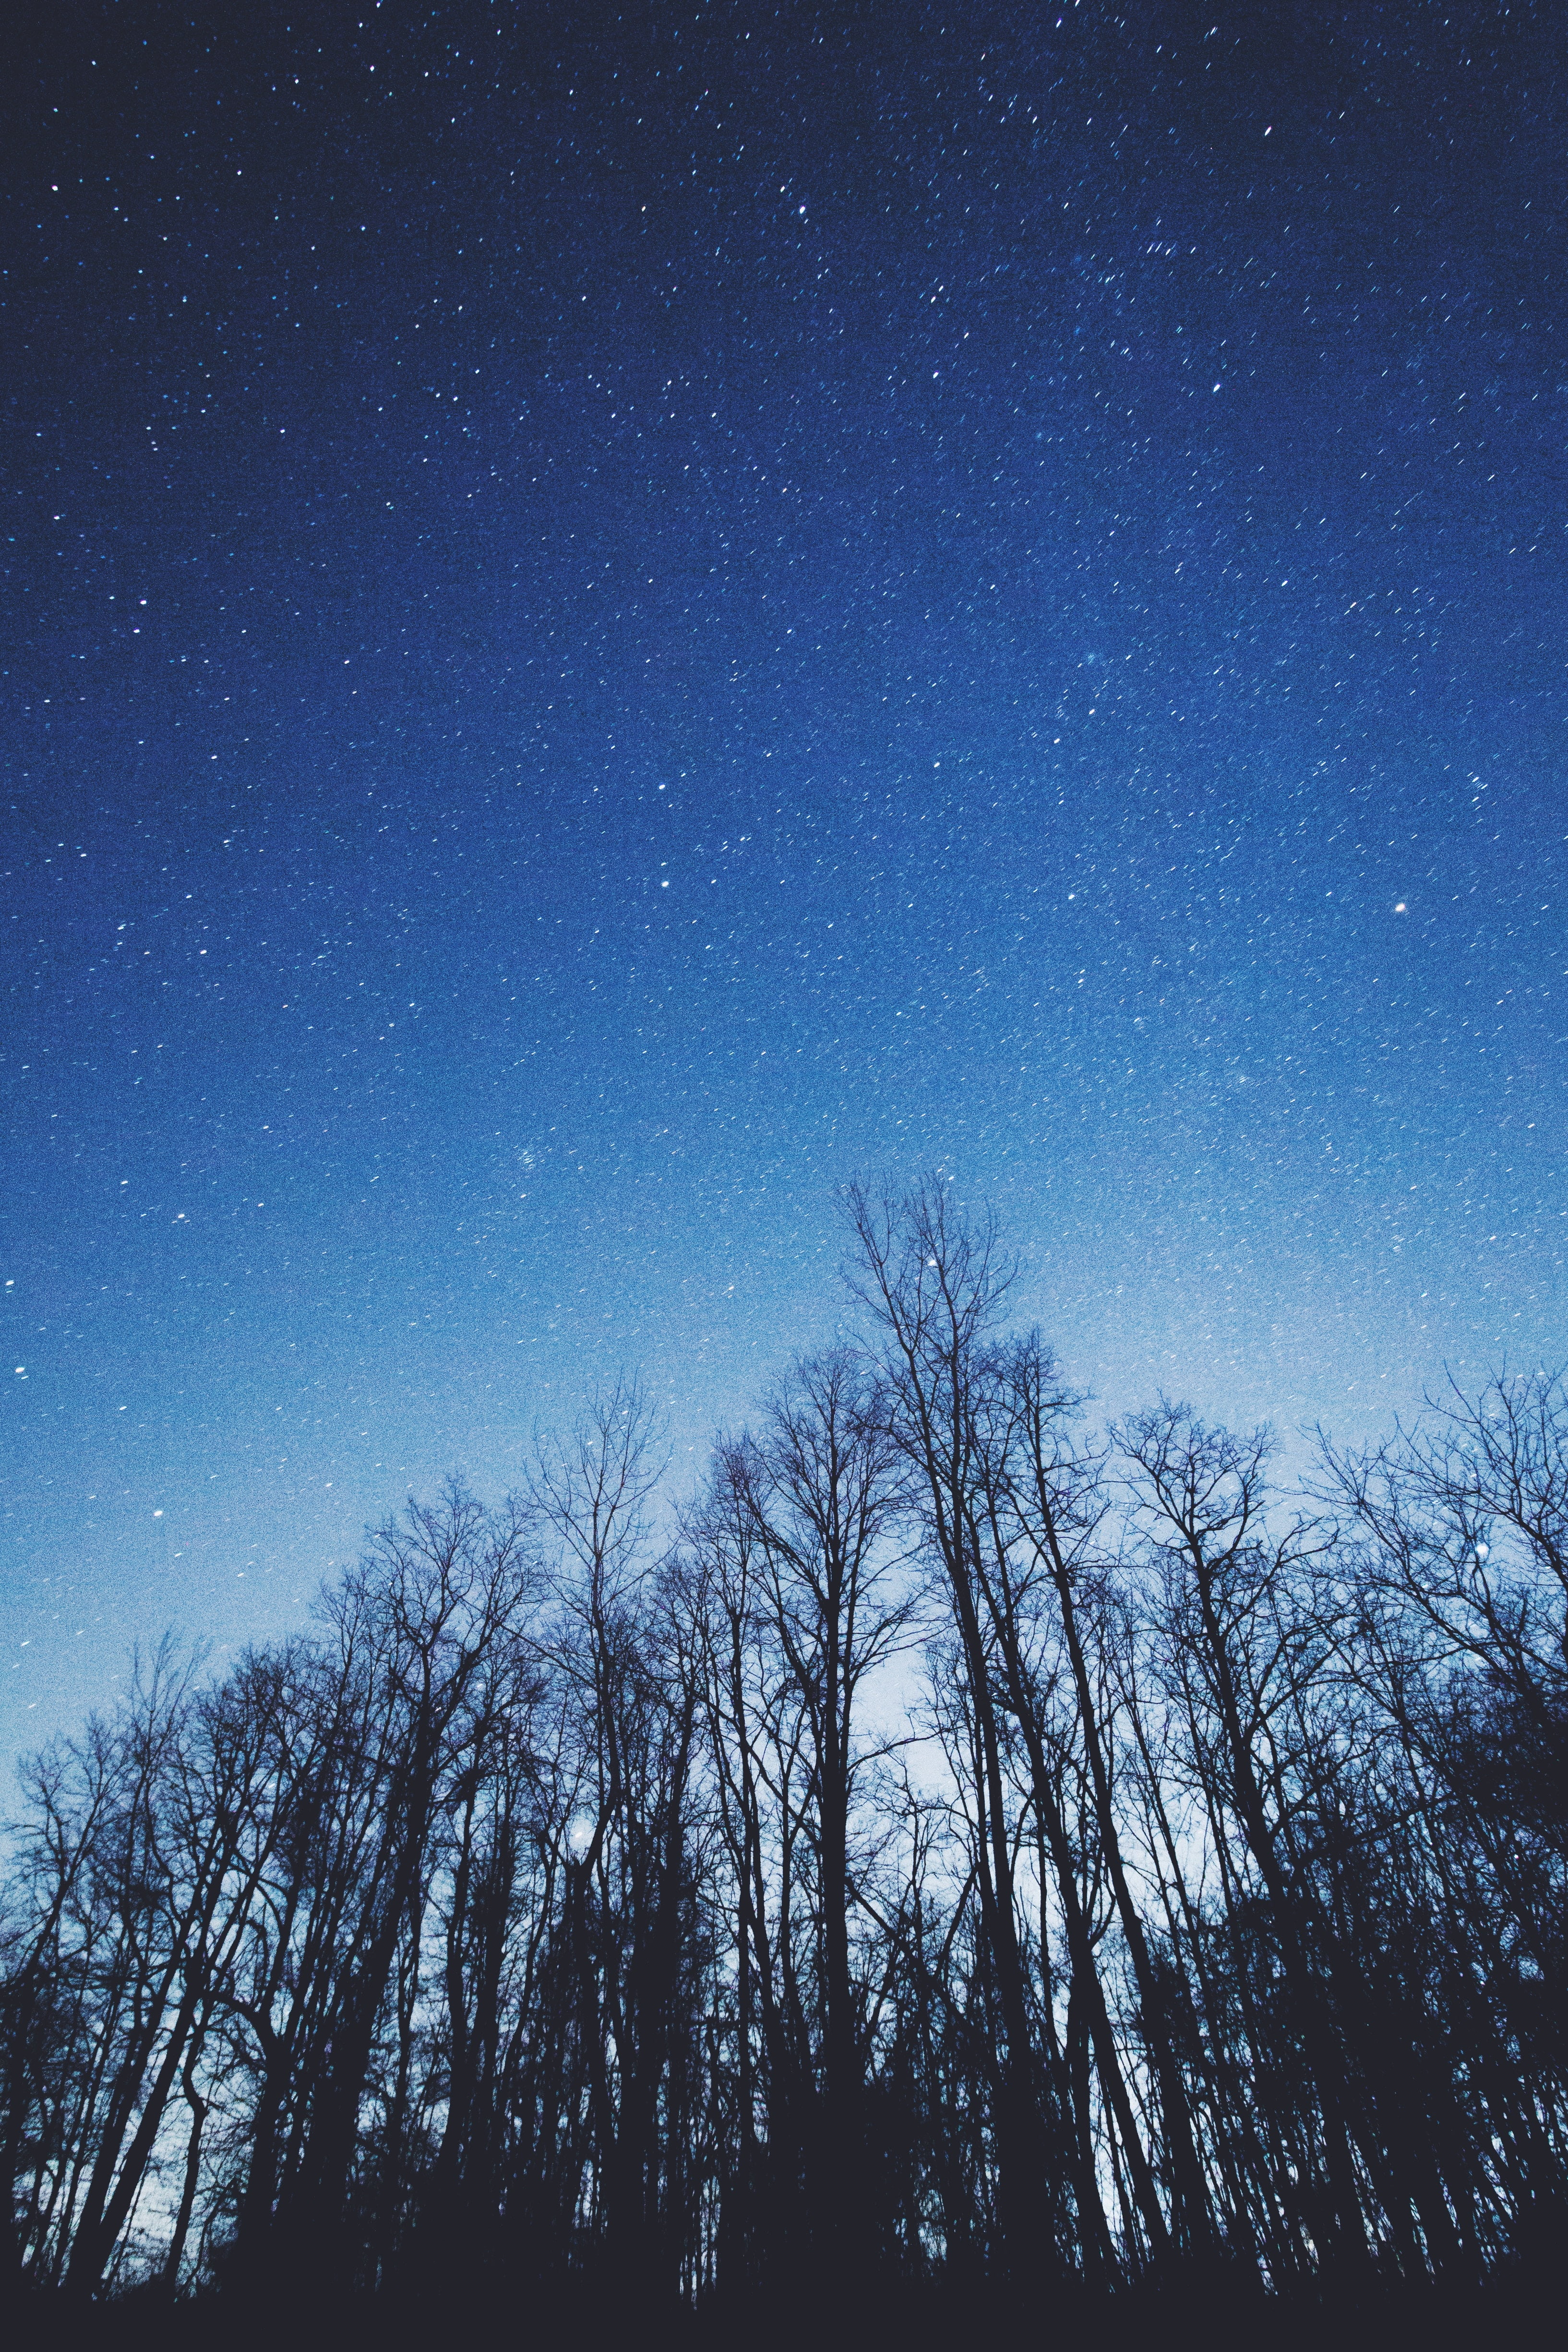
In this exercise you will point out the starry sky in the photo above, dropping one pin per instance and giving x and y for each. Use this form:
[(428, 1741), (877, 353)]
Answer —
[(613, 618)]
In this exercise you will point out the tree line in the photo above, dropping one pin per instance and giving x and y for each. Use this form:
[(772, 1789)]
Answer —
[(976, 1849)]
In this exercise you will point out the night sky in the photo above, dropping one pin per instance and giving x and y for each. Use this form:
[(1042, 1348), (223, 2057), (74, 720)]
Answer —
[(612, 619)]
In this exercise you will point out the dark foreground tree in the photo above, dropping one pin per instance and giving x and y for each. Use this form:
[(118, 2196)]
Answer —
[(976, 1857)]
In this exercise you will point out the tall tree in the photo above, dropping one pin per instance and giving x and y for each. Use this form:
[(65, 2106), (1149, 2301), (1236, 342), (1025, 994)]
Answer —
[(934, 1288), (822, 1487)]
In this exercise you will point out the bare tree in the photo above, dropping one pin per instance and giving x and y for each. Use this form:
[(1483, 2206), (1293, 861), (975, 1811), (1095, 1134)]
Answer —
[(934, 1288), (821, 1485), (980, 1851)]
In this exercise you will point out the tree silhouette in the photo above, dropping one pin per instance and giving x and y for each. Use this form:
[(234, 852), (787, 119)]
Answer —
[(953, 1851)]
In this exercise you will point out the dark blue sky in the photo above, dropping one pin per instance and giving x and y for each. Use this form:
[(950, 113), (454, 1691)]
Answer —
[(612, 620)]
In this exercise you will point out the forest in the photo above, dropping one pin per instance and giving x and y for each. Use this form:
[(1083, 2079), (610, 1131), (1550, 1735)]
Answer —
[(960, 1858)]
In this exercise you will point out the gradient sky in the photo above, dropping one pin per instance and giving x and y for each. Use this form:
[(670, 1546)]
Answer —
[(612, 620)]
